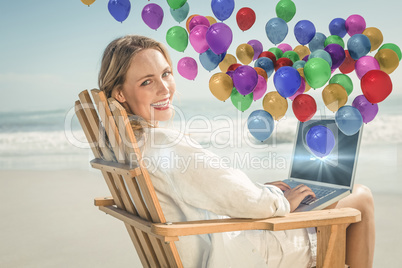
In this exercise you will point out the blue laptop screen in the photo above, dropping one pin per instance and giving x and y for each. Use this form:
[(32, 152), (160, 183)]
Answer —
[(335, 168)]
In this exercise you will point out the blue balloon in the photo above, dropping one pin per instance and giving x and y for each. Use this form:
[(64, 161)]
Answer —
[(209, 60), (358, 45), (276, 30), (260, 124), (287, 81), (318, 42), (266, 64), (304, 31), (320, 140), (337, 27), (299, 64), (320, 53), (180, 14), (349, 120), (119, 9), (222, 9)]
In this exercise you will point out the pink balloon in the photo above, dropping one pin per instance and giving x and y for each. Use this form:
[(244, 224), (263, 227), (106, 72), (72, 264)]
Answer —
[(188, 68), (198, 20), (198, 38), (355, 24), (260, 88), (285, 47), (300, 90), (365, 64)]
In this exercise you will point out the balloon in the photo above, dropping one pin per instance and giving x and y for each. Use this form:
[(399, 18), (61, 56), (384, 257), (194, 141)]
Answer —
[(317, 72), (245, 53), (180, 14), (241, 102), (221, 86), (269, 55), (283, 62), (188, 68), (257, 47), (317, 42), (211, 20), (88, 2), (302, 51), (299, 64), (301, 72), (320, 53), (198, 38), (198, 20), (176, 4), (226, 62), (222, 9), (152, 15), (337, 27), (366, 109), (209, 60), (334, 39), (334, 96), (394, 48), (365, 64), (375, 36), (245, 18), (266, 64), (260, 124), (304, 107), (285, 9), (245, 79), (343, 80), (287, 81), (219, 37), (275, 104), (276, 30), (119, 9), (293, 56), (376, 86), (300, 90), (358, 46), (349, 120), (337, 55), (355, 24), (188, 22), (285, 47), (177, 38), (260, 88), (388, 60), (276, 51), (348, 64), (320, 140), (261, 72), (304, 31), (233, 67)]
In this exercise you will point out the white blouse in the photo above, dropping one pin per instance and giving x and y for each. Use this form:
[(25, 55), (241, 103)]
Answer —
[(192, 184)]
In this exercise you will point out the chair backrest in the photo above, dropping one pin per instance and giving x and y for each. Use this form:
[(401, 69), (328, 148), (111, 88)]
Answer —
[(114, 145)]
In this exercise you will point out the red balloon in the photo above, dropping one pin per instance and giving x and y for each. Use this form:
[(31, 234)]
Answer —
[(269, 55), (245, 18), (233, 67), (283, 62), (304, 107), (376, 86), (348, 64)]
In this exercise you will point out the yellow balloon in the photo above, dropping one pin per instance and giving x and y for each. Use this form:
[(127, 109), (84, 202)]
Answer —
[(334, 96), (227, 61), (221, 86), (301, 72), (388, 60), (245, 53), (88, 2), (275, 104), (302, 51), (375, 37), (211, 20)]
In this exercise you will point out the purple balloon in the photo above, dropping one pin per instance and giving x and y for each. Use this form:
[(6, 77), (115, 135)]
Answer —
[(152, 15), (219, 37), (257, 46), (245, 79), (198, 38), (306, 58), (355, 24), (198, 20), (119, 9), (367, 109), (365, 64), (188, 68), (337, 55)]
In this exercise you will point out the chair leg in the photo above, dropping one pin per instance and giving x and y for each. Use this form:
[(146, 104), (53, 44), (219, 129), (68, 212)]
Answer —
[(331, 246)]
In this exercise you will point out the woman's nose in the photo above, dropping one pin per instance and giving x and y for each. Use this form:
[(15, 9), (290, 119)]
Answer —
[(163, 88)]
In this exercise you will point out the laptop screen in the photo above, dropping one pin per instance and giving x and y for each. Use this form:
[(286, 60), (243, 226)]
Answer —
[(337, 167)]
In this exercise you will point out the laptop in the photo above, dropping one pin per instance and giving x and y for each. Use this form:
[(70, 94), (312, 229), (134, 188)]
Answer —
[(331, 177)]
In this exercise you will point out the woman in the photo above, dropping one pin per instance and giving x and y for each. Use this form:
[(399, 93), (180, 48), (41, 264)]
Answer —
[(137, 72)]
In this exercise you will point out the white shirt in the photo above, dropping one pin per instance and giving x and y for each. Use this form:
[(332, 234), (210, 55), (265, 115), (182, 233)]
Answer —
[(191, 184)]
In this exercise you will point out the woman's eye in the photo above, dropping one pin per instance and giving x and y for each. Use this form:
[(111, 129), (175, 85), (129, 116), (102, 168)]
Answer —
[(166, 74), (145, 83)]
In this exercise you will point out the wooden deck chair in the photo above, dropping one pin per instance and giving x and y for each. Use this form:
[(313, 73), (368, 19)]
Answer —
[(135, 203)]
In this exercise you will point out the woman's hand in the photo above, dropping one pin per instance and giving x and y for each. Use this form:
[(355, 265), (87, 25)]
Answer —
[(296, 195), (280, 184)]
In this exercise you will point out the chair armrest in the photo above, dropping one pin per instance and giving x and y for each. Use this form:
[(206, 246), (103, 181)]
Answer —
[(121, 169)]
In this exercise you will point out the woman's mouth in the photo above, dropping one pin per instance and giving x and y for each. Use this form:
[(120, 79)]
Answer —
[(161, 105)]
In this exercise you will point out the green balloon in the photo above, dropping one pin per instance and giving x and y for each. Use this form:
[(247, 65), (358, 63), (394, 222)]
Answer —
[(175, 4), (343, 80), (285, 9), (177, 38), (394, 48), (276, 51), (334, 39), (241, 102), (293, 56), (317, 72)]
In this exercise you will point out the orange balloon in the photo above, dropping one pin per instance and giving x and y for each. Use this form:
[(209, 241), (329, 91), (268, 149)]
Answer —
[(334, 96), (221, 86), (275, 104), (188, 22), (301, 72), (388, 60), (88, 2), (226, 62), (262, 72), (211, 20), (245, 53), (375, 37), (302, 51)]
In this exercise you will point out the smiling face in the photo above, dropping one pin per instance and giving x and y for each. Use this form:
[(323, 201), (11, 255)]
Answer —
[(149, 86)]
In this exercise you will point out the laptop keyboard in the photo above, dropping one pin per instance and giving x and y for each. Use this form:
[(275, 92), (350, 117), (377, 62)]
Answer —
[(320, 193)]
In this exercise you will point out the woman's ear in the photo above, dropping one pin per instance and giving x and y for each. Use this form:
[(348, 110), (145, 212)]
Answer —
[(118, 95)]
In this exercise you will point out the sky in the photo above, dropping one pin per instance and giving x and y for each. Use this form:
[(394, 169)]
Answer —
[(51, 50)]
